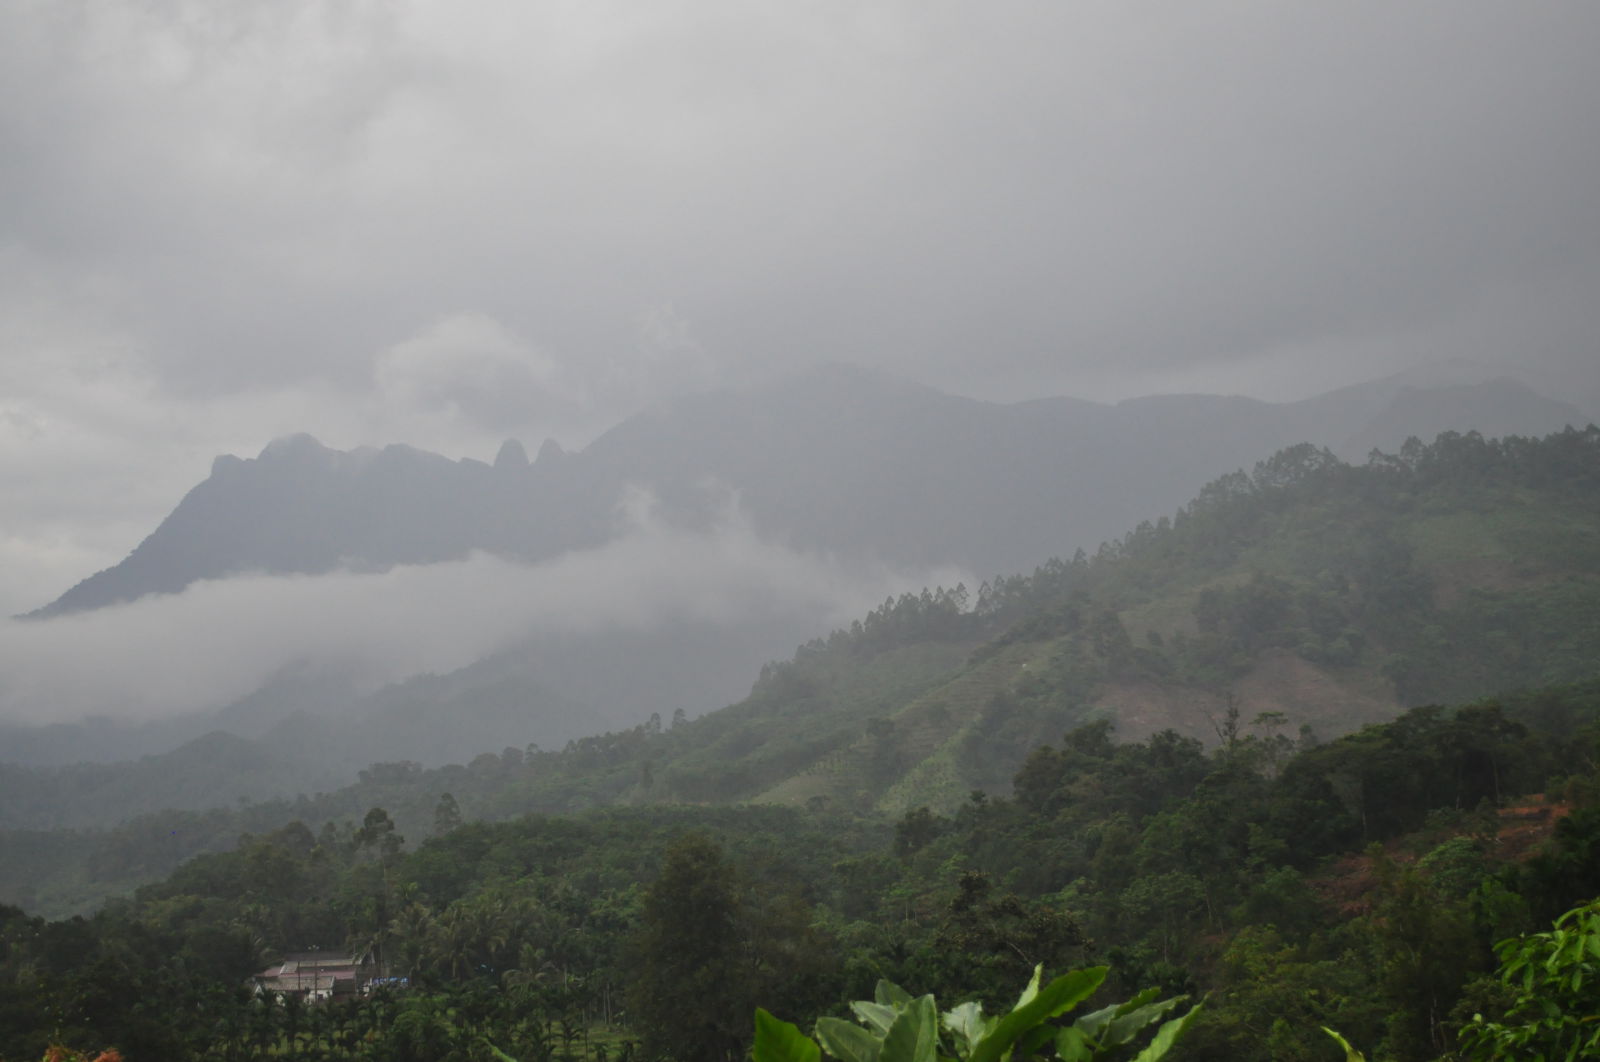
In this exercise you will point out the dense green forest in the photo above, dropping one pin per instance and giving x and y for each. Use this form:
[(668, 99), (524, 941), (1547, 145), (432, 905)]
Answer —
[(1358, 884), (1131, 760)]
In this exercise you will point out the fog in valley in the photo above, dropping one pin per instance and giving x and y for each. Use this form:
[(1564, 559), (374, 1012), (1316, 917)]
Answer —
[(219, 640), (639, 233)]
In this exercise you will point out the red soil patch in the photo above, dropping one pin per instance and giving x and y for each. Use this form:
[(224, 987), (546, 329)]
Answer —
[(1348, 886), (1525, 826)]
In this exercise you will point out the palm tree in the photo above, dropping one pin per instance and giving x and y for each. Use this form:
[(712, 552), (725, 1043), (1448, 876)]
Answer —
[(264, 1021), (532, 971), (294, 1008), (491, 925), (451, 943), (409, 935)]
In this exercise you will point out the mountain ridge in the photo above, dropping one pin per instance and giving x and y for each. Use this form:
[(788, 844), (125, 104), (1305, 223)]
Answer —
[(812, 456), (1309, 593)]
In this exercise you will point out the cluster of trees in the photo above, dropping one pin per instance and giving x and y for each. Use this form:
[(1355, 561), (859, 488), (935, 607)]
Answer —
[(1211, 871), (654, 932)]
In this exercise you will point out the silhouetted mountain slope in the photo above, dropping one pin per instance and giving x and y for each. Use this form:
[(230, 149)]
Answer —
[(1308, 593), (214, 770), (548, 691), (104, 740), (838, 459)]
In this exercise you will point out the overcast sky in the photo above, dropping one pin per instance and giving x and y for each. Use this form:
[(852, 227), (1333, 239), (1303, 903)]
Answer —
[(447, 223)]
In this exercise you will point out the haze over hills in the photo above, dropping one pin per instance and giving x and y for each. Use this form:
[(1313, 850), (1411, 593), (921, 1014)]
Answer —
[(848, 470), (1307, 593), (857, 464)]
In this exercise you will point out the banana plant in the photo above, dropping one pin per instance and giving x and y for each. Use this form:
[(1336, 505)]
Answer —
[(1350, 1053), (894, 1027)]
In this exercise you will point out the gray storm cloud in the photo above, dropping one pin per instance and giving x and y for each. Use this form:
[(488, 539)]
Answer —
[(220, 640), (438, 223), (277, 189)]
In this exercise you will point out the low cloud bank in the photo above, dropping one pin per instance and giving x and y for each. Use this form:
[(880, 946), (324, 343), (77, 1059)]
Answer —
[(220, 640)]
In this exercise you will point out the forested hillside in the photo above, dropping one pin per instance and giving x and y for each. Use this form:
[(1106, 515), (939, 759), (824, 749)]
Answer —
[(872, 484), (1310, 595), (1131, 758), (1356, 883)]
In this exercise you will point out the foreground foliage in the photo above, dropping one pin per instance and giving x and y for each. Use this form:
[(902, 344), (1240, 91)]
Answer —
[(894, 1027), (1551, 979)]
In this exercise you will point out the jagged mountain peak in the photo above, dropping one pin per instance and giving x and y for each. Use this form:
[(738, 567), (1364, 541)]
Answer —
[(511, 456), (296, 446), (853, 462)]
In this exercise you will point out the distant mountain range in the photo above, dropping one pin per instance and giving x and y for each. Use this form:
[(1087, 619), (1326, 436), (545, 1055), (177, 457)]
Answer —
[(1296, 602), (837, 459), (864, 468)]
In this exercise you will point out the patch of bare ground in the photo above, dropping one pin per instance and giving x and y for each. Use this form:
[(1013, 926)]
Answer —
[(1452, 581), (1280, 682), (1142, 708), (1349, 886), (1525, 825), (1306, 693)]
